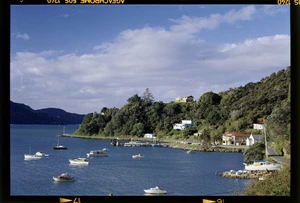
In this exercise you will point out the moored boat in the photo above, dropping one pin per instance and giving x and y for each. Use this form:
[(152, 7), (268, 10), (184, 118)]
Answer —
[(79, 161), (97, 153), (41, 154), (64, 177), (190, 152), (137, 156), (262, 166), (155, 190), (30, 156)]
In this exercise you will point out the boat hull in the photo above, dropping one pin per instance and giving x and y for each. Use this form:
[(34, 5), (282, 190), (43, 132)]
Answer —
[(59, 147), (261, 166), (78, 162), (138, 156), (150, 191), (31, 157), (56, 179)]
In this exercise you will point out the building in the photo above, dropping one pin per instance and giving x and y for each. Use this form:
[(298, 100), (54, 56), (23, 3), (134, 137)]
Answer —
[(185, 99), (149, 135), (235, 138), (184, 124), (252, 139), (258, 126)]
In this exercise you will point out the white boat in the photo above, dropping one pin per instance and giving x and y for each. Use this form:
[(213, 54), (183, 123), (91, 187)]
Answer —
[(155, 190), (97, 153), (137, 156), (30, 156), (63, 178), (190, 152), (262, 165), (79, 161), (41, 154)]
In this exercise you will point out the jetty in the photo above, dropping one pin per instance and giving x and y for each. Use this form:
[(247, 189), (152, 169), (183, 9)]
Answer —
[(245, 174)]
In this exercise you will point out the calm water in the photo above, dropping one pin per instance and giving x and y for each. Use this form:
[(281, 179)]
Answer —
[(172, 169)]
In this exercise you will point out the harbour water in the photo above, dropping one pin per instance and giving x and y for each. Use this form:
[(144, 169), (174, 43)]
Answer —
[(175, 171)]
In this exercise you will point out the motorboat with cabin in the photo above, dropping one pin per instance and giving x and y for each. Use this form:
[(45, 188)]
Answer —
[(79, 161), (155, 190), (64, 177), (98, 153)]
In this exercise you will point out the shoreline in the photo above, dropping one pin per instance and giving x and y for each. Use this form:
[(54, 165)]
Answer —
[(170, 143)]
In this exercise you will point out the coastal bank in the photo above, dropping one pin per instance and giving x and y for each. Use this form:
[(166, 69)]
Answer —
[(179, 144)]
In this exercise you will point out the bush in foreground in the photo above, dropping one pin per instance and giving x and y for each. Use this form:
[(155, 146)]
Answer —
[(277, 184)]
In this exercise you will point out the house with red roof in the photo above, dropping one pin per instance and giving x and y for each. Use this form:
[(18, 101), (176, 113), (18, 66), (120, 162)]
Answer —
[(235, 138)]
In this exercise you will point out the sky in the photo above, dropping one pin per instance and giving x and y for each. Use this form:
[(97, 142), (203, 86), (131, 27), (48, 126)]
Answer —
[(81, 58)]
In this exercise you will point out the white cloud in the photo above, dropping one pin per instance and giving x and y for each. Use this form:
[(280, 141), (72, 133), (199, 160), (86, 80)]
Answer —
[(23, 36), (196, 24), (170, 62), (274, 9)]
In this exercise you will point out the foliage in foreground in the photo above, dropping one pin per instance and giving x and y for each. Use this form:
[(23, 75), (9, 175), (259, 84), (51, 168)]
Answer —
[(277, 184)]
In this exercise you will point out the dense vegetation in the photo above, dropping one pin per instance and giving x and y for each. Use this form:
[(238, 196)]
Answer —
[(278, 184), (265, 102)]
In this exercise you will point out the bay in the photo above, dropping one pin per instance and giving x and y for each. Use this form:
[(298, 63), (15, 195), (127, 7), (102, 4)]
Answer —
[(174, 170)]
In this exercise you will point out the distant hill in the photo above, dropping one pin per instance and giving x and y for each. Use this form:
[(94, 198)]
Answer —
[(23, 114)]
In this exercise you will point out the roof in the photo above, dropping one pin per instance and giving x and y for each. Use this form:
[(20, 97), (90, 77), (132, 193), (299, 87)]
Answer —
[(237, 134)]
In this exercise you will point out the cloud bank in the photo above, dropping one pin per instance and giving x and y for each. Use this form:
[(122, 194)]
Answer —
[(170, 61)]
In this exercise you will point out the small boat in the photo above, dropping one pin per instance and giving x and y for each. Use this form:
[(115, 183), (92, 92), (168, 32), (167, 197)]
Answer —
[(79, 161), (30, 156), (155, 190), (190, 152), (262, 166), (97, 153), (41, 154), (57, 146), (64, 177), (137, 156)]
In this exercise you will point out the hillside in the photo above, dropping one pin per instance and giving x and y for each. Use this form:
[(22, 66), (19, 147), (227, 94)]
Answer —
[(237, 109), (23, 114)]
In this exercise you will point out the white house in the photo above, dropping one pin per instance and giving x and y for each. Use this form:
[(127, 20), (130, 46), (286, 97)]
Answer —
[(235, 138), (258, 126), (254, 139), (185, 99), (184, 124), (149, 135)]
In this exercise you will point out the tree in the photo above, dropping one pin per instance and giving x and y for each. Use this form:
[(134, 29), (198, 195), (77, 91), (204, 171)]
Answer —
[(147, 97), (205, 136), (134, 99), (255, 152)]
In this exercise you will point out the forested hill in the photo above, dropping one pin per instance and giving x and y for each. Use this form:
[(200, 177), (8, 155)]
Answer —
[(237, 109), (23, 114)]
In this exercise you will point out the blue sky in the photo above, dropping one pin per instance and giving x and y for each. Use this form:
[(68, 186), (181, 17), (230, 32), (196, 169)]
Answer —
[(82, 58)]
